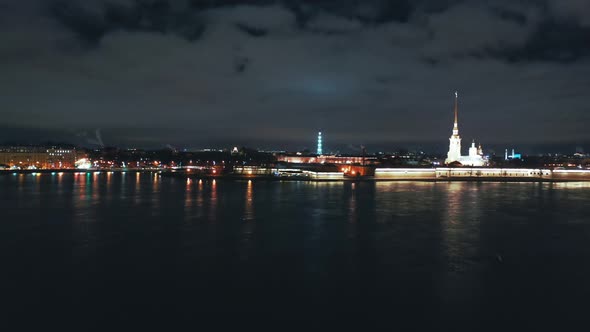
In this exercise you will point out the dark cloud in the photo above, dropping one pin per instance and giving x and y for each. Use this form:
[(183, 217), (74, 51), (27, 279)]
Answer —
[(252, 31), (92, 20), (560, 41), (366, 71)]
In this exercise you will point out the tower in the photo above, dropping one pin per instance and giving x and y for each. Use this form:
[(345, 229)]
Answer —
[(319, 150), (473, 151), (454, 153)]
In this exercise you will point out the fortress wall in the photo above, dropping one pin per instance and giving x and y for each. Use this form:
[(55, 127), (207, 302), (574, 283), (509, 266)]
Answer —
[(405, 173), (324, 175), (480, 173), (492, 173)]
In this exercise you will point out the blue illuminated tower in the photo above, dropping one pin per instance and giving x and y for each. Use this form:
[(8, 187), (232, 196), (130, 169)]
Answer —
[(319, 151)]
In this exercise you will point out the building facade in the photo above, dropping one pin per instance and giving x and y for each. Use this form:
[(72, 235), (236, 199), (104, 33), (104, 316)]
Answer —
[(320, 159), (35, 157)]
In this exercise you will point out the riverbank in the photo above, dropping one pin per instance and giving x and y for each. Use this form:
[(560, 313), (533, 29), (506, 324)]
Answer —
[(381, 174)]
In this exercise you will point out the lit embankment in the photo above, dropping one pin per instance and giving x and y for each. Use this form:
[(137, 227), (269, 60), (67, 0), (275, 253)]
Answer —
[(405, 174), (286, 173), (507, 174)]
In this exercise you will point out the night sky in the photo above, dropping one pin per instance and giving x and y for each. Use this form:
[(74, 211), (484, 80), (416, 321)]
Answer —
[(382, 73)]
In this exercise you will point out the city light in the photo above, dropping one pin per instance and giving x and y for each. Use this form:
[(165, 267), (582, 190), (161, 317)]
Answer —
[(83, 163)]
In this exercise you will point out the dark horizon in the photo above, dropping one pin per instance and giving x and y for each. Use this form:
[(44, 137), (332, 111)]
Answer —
[(89, 139)]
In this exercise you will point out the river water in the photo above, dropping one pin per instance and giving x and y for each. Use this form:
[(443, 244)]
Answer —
[(108, 250)]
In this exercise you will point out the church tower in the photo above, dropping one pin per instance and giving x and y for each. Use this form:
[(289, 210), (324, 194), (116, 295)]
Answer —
[(454, 153)]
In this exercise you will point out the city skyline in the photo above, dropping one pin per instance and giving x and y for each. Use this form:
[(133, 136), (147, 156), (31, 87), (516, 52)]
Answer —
[(269, 74)]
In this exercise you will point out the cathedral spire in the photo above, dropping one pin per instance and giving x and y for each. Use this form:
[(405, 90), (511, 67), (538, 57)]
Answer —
[(456, 107), (456, 126)]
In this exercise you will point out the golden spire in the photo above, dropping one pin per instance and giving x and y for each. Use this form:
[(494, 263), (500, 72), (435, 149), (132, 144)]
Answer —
[(456, 108), (456, 126)]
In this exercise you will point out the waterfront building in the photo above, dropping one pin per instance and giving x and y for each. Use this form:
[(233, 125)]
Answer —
[(323, 159), (475, 157), (37, 157)]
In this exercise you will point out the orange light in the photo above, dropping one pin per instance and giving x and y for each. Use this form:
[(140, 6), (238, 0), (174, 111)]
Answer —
[(214, 171)]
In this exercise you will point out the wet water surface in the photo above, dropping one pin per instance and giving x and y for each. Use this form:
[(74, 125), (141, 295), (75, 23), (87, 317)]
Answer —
[(136, 249)]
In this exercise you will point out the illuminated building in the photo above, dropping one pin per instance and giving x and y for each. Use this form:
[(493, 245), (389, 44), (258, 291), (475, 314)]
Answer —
[(475, 157), (320, 159), (319, 150), (35, 157), (513, 156), (454, 153)]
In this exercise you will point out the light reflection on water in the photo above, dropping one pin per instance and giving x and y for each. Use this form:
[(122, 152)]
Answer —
[(188, 201), (213, 201), (249, 202), (569, 185), (461, 225), (248, 226), (450, 246)]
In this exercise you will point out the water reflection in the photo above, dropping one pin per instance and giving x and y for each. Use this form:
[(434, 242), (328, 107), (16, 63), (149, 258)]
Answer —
[(137, 193), (461, 225), (123, 188), (21, 181), (453, 204), (60, 184), (200, 199), (352, 211), (155, 194), (213, 201), (188, 195), (570, 185), (82, 191), (249, 209), (248, 224), (95, 187)]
